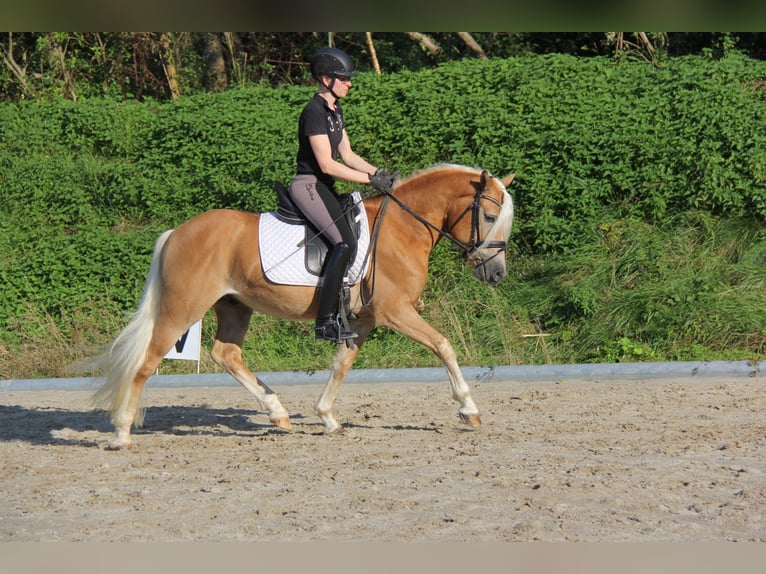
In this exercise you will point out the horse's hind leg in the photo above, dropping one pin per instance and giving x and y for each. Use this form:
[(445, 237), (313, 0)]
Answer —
[(127, 411), (233, 320)]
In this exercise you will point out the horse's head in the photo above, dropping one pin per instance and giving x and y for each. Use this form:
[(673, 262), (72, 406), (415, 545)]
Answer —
[(483, 227), (474, 210)]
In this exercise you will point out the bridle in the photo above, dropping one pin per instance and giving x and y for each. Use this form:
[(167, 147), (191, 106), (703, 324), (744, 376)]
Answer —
[(469, 249), (475, 242)]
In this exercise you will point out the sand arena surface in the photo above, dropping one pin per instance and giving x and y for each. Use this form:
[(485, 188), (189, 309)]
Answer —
[(659, 460)]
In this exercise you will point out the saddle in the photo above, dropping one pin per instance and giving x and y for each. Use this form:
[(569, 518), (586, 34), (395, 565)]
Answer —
[(316, 246)]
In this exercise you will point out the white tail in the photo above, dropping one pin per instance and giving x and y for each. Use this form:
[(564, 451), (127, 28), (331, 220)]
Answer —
[(128, 351)]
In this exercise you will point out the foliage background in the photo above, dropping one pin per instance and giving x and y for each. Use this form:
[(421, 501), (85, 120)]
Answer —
[(140, 65), (640, 201)]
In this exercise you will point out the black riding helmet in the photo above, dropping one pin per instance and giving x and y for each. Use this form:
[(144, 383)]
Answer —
[(331, 62)]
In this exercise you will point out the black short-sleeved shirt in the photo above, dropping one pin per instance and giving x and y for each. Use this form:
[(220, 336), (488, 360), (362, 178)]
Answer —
[(318, 118)]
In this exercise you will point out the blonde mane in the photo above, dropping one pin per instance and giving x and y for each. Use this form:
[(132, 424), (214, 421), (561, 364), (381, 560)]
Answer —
[(440, 167)]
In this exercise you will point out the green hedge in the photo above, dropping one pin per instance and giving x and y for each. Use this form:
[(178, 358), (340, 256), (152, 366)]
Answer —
[(581, 133), (86, 186)]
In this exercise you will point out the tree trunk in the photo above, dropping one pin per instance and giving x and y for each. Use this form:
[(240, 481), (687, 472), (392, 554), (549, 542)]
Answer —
[(169, 64), (57, 59), (216, 79), (373, 54), (234, 47), (647, 44), (619, 43)]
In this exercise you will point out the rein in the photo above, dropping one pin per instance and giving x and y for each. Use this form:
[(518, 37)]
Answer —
[(474, 208), (373, 249)]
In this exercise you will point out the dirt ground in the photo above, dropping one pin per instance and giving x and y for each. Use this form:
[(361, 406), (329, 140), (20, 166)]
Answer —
[(654, 460)]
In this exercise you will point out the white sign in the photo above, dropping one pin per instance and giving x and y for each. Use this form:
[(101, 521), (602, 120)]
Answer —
[(187, 348)]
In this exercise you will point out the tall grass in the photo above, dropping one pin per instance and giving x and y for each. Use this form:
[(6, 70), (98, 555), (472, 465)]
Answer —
[(694, 288)]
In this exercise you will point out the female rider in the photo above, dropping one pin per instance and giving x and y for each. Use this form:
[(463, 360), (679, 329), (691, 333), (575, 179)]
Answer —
[(322, 138)]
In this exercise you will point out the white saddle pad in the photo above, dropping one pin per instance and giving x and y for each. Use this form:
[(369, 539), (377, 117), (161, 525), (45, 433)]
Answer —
[(283, 256)]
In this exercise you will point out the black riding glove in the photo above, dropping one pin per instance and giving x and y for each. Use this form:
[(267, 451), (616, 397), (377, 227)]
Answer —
[(382, 181)]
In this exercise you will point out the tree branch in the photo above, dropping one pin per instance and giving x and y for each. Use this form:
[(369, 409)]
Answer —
[(427, 42), (19, 72), (472, 44)]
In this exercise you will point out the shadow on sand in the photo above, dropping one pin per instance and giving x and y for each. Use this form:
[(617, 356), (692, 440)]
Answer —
[(46, 425)]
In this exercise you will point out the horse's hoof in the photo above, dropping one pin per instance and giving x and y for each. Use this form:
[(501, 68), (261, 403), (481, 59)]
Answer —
[(119, 445), (282, 423), (339, 430), (472, 421)]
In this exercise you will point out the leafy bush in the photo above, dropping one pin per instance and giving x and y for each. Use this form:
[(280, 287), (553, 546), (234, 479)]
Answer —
[(581, 134)]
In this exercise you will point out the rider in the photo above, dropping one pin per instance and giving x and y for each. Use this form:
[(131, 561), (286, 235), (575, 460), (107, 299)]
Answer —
[(322, 138)]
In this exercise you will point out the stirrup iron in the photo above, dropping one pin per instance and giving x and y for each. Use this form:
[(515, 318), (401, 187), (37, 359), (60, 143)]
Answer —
[(333, 331)]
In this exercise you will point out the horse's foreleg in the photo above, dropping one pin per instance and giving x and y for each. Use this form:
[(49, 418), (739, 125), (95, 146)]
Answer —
[(409, 323), (233, 319), (341, 365)]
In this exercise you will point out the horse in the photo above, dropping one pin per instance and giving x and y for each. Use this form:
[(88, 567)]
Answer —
[(211, 260)]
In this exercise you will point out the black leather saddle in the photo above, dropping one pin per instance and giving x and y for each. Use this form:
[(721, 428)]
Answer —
[(316, 246)]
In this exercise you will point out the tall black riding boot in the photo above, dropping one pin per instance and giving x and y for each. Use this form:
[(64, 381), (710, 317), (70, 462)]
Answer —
[(328, 323)]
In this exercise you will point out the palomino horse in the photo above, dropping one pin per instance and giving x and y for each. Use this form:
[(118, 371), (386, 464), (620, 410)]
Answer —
[(212, 260)]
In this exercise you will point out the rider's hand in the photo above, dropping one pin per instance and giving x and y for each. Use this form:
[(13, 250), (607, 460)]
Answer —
[(382, 181)]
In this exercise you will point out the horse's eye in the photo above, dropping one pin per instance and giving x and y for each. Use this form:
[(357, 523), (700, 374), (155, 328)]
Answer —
[(489, 218)]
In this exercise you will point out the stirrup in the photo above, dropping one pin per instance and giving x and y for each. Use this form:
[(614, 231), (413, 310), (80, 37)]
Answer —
[(331, 331)]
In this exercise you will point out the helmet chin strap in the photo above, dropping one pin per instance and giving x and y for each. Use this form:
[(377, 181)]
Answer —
[(331, 86)]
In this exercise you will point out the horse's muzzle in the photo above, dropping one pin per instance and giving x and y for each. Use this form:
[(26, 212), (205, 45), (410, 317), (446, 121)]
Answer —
[(490, 270)]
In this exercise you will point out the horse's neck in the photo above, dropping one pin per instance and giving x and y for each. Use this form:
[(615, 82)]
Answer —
[(432, 209), (429, 205)]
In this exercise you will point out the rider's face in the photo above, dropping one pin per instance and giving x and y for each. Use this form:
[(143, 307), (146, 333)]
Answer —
[(341, 86)]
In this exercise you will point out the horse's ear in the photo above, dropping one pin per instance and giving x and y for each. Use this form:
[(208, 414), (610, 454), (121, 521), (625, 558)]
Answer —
[(485, 177), (508, 179)]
